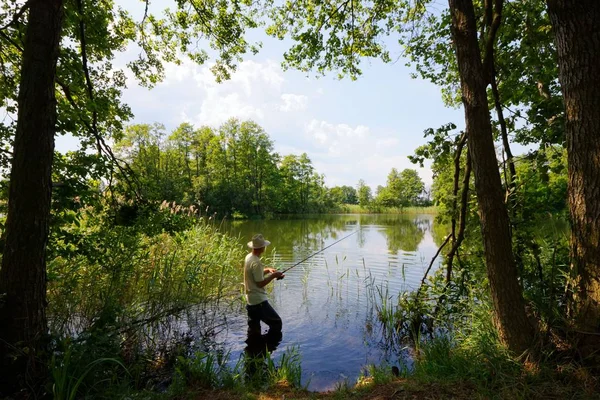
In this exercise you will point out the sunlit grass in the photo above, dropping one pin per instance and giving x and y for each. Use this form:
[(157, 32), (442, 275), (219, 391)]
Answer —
[(357, 209), (211, 370)]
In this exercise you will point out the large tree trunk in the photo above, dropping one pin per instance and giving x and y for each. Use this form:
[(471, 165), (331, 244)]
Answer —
[(576, 25), (514, 327), (23, 325)]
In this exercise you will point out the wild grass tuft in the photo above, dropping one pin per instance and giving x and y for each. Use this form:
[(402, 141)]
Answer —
[(357, 209), (69, 384), (289, 370), (205, 370)]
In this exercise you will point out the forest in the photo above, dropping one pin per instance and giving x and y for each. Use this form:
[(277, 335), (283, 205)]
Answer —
[(234, 172), (102, 245)]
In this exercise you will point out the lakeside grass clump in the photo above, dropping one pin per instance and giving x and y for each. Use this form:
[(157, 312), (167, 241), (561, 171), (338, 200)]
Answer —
[(358, 209), (121, 297), (121, 276)]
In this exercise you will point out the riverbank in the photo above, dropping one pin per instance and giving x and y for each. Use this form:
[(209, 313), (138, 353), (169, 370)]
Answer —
[(410, 388), (400, 388), (357, 209)]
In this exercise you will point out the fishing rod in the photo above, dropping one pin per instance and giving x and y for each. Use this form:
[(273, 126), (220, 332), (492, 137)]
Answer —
[(314, 254)]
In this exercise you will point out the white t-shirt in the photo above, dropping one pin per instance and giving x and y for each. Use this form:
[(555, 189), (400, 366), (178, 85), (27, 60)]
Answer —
[(254, 272)]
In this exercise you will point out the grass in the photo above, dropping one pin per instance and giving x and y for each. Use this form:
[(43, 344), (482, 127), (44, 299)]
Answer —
[(115, 298), (67, 383), (357, 209), (205, 375), (135, 279)]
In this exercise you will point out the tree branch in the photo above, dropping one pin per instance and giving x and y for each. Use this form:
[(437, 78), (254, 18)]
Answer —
[(86, 71), (488, 58), (11, 41), (459, 147), (17, 15), (503, 131), (352, 32), (142, 32), (329, 16), (100, 142), (209, 29), (103, 148), (431, 264), (463, 218)]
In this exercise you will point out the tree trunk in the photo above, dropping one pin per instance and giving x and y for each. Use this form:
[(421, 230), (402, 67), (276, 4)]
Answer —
[(576, 25), (23, 325), (511, 319)]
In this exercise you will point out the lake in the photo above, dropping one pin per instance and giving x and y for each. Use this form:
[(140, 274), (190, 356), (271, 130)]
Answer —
[(328, 304)]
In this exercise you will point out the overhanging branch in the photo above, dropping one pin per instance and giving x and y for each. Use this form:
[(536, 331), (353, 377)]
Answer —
[(17, 15)]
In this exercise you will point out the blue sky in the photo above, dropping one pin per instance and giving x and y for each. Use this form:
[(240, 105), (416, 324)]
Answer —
[(350, 130)]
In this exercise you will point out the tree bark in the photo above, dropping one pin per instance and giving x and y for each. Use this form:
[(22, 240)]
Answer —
[(23, 325), (511, 319), (576, 25)]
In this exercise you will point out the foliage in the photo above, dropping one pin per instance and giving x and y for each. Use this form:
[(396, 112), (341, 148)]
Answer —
[(403, 189), (118, 277), (356, 209), (211, 370), (374, 375), (231, 171), (542, 183), (289, 369), (115, 269), (364, 194), (334, 36), (68, 381), (90, 89), (204, 370), (524, 59), (344, 194)]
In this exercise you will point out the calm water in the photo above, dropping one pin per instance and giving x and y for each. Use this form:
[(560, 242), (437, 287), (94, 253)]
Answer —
[(329, 303)]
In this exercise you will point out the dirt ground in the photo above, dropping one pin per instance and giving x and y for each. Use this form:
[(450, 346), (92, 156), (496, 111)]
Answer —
[(397, 389)]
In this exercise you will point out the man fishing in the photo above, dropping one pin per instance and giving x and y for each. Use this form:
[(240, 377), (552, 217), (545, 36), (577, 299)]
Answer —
[(255, 281)]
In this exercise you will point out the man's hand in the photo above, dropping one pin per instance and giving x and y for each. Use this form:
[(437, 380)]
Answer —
[(278, 275), (274, 274)]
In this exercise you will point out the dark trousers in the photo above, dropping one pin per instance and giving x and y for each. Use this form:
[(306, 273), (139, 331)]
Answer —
[(265, 313)]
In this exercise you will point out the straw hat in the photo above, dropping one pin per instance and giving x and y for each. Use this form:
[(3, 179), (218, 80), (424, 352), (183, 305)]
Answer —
[(258, 241)]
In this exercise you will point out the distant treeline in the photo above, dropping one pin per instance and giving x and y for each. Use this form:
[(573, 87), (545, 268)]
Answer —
[(234, 171)]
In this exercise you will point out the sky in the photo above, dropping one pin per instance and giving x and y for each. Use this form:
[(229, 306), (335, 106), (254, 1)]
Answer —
[(350, 130)]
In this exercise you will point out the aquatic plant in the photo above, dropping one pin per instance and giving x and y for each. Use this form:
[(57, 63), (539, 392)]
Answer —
[(69, 380)]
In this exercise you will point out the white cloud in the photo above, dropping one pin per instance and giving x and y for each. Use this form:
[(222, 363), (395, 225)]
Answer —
[(337, 138), (175, 74), (190, 91), (293, 102), (347, 153), (258, 90), (249, 94)]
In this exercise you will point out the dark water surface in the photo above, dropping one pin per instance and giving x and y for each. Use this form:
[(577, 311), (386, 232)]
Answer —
[(329, 303)]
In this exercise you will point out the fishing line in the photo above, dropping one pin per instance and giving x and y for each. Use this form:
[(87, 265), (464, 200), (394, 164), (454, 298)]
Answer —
[(314, 254)]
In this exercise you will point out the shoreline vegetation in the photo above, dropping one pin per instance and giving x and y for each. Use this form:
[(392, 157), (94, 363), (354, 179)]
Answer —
[(358, 209), (349, 209), (111, 312)]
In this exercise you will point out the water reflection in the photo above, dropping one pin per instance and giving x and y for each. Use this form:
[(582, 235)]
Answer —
[(404, 234), (305, 236)]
